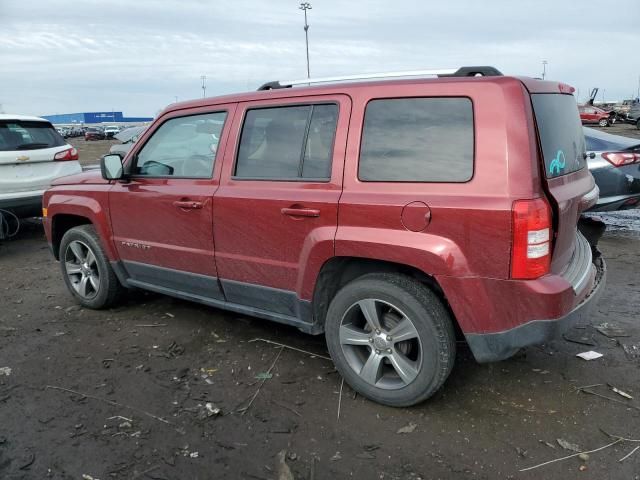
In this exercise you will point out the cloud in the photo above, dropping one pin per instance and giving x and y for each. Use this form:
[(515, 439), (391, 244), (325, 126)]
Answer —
[(136, 56)]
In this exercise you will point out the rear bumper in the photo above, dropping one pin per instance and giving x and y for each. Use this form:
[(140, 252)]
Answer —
[(23, 206), (491, 347)]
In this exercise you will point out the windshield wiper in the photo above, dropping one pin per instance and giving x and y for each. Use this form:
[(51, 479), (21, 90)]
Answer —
[(27, 146)]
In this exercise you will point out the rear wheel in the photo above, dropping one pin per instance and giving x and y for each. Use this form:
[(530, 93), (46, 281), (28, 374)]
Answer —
[(390, 338), (86, 269)]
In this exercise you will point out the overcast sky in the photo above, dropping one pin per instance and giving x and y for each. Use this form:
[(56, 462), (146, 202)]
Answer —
[(137, 55)]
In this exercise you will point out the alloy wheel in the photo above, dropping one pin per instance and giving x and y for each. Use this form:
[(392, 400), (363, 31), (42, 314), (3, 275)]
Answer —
[(81, 268), (381, 344)]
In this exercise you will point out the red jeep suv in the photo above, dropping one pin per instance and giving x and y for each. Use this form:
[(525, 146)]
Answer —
[(392, 215)]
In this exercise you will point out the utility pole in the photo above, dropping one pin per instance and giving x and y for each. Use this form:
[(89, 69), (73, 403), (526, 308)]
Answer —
[(204, 85), (176, 97), (304, 6), (544, 68)]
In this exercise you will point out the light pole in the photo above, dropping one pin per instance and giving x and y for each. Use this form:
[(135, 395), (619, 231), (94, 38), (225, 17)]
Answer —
[(204, 85), (176, 97), (544, 68), (304, 6)]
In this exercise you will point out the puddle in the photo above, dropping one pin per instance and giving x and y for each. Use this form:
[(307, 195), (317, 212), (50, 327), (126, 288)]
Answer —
[(622, 223)]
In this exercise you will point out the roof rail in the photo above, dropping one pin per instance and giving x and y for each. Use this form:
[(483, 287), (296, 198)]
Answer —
[(484, 71)]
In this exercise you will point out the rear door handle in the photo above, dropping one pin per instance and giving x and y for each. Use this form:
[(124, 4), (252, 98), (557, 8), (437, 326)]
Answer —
[(300, 212), (187, 204)]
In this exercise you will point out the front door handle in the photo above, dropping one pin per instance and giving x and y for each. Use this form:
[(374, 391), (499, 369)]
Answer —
[(187, 204), (300, 212)]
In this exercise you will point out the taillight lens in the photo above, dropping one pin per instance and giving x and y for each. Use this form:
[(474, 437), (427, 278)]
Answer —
[(70, 154), (531, 248), (619, 159)]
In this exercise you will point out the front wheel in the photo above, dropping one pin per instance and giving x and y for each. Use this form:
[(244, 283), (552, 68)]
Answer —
[(603, 122), (86, 269), (390, 338)]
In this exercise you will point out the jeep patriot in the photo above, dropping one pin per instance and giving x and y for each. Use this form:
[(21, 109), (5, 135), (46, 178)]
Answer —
[(394, 213)]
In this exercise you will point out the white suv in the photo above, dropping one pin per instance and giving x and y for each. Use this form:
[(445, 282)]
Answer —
[(111, 130), (32, 155)]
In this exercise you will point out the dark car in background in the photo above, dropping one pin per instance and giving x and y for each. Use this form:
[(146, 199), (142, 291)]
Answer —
[(93, 133), (634, 115), (614, 162)]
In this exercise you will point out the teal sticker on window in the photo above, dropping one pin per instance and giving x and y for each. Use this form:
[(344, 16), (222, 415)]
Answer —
[(558, 163)]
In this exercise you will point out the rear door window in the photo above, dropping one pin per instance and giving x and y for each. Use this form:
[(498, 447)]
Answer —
[(417, 140), (28, 135), (287, 143), (561, 134)]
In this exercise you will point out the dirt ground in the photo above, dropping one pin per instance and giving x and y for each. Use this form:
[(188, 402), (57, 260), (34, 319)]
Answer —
[(91, 151), (147, 370), (133, 392)]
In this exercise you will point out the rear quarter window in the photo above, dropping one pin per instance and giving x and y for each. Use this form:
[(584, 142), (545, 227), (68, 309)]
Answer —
[(417, 140), (560, 132)]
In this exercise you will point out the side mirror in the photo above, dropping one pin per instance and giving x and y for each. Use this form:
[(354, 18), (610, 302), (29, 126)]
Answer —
[(111, 167)]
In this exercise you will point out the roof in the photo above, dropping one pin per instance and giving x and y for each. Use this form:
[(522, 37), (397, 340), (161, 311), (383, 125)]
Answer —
[(10, 116), (532, 84)]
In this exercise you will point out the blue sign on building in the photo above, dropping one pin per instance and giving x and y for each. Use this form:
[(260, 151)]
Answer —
[(93, 117)]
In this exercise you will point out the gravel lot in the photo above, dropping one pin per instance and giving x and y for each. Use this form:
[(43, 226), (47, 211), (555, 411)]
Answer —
[(133, 392)]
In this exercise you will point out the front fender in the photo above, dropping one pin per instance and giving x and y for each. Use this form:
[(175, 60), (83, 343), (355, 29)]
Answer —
[(89, 205)]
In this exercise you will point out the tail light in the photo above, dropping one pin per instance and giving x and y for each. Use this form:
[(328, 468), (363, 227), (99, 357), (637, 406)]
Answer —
[(619, 159), (531, 247), (69, 154)]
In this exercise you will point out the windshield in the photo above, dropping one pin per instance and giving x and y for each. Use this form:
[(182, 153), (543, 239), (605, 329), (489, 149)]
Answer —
[(561, 136), (28, 135)]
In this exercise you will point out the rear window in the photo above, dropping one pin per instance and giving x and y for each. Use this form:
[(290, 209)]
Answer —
[(28, 135), (417, 140), (561, 134)]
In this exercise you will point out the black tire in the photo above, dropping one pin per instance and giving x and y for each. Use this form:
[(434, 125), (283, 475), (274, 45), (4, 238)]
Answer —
[(433, 326), (603, 122), (109, 290), (638, 124)]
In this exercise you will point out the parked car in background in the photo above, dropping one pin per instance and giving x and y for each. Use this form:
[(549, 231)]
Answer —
[(94, 133), (357, 210), (128, 137), (634, 115), (614, 162), (32, 155), (594, 115), (110, 131)]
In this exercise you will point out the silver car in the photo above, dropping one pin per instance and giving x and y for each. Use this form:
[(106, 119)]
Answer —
[(32, 155), (614, 162), (128, 137)]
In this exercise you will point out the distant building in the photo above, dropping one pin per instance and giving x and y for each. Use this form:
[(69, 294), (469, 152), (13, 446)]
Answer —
[(93, 117)]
